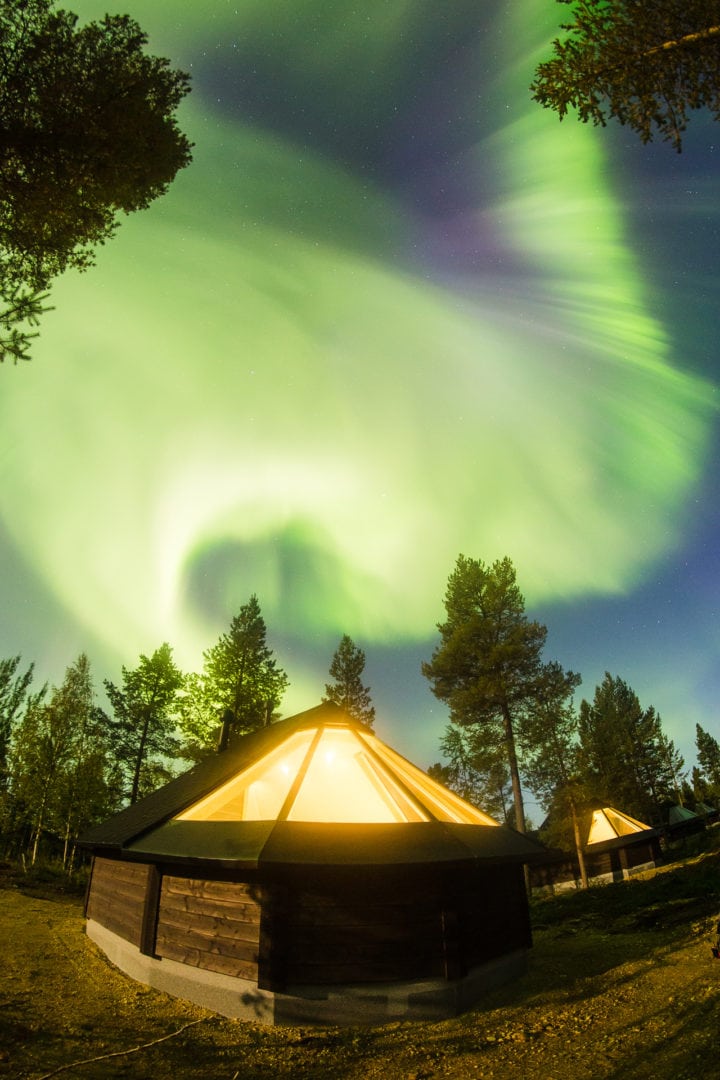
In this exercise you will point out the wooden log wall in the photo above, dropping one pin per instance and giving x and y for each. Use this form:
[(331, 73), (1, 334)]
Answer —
[(381, 928), (117, 897), (605, 862), (432, 927), (213, 925), (493, 914), (338, 938), (646, 852)]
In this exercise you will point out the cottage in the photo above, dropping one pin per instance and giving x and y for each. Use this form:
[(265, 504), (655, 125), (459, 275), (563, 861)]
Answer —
[(619, 845), (616, 846), (310, 873), (683, 822)]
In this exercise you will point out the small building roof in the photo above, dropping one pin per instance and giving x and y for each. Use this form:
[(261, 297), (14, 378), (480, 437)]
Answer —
[(318, 788), (607, 823), (679, 814)]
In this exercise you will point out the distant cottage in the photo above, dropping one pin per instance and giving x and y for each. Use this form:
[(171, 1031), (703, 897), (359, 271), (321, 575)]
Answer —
[(683, 822), (310, 873), (616, 847)]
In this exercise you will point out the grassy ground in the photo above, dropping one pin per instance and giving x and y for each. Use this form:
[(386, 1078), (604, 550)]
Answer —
[(621, 983)]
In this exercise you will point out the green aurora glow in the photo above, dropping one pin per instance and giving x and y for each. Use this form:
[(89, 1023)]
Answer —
[(265, 387)]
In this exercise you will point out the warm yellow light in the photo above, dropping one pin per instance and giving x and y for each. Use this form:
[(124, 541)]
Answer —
[(343, 784), (608, 824), (258, 793), (443, 804), (334, 774)]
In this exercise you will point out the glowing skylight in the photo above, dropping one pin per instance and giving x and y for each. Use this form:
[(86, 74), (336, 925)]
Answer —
[(334, 773), (608, 824), (258, 793)]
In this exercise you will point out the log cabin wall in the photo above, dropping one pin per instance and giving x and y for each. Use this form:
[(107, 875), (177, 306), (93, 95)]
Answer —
[(391, 927), (639, 854), (116, 897), (494, 917), (213, 925), (600, 863), (361, 936)]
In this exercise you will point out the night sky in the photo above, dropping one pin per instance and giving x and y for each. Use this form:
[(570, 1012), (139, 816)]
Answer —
[(394, 311)]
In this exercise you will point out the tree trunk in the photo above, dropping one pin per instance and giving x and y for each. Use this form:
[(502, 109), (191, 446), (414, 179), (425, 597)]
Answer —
[(139, 761), (514, 771), (578, 845), (38, 828)]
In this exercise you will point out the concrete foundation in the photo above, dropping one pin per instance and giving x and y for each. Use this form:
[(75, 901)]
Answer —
[(430, 999)]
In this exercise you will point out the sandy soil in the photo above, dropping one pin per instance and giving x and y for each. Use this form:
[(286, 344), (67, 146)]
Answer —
[(598, 1003)]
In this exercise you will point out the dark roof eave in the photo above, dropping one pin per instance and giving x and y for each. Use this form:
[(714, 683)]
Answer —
[(271, 843)]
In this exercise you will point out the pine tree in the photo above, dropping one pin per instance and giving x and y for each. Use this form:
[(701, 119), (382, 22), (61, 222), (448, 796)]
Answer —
[(57, 783), (476, 770), (88, 133), (550, 754), (347, 690), (146, 708), (240, 680), (625, 757), (488, 665), (708, 755), (647, 65)]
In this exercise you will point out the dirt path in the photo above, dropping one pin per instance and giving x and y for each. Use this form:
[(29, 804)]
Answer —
[(593, 1006)]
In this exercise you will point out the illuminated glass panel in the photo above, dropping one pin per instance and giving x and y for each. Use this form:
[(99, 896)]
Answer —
[(343, 783), (608, 824), (342, 776), (623, 824), (443, 804), (258, 793), (600, 828)]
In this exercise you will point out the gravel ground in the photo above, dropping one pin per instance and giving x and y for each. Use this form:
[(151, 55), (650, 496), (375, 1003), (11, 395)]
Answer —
[(638, 997)]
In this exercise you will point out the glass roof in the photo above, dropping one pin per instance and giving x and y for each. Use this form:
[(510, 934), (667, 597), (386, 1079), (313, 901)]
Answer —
[(334, 773), (608, 824)]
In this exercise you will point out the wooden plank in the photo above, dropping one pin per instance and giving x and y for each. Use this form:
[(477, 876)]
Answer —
[(230, 891), (116, 871), (210, 930), (107, 877), (234, 946), (120, 889), (112, 894), (356, 901), (336, 935), (362, 917), (128, 929), (170, 945), (339, 952), (225, 965), (198, 905), (272, 950), (107, 904), (151, 902), (452, 944)]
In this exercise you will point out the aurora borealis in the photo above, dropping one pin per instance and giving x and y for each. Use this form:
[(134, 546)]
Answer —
[(394, 311)]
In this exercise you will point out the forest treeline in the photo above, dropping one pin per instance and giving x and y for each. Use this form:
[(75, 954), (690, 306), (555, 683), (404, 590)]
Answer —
[(67, 762)]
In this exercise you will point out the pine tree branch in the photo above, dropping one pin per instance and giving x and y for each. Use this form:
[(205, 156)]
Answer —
[(23, 307)]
